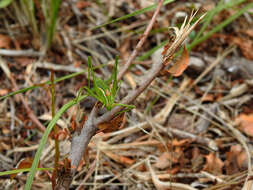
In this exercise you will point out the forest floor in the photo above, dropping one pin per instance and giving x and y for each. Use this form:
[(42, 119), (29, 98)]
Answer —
[(188, 132)]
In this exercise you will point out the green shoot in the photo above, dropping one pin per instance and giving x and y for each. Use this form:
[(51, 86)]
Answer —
[(22, 170), (43, 141), (135, 13), (4, 3), (105, 91)]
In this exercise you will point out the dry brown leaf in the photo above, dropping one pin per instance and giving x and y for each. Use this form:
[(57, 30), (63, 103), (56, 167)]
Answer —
[(24, 163), (213, 164), (162, 185), (242, 160), (245, 123), (113, 125), (207, 98), (3, 92), (163, 161), (183, 142), (249, 32), (120, 159), (82, 4), (245, 45), (197, 160), (236, 160), (178, 68), (5, 41)]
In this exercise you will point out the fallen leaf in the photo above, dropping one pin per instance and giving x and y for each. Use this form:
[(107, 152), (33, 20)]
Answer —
[(48, 117), (249, 32), (120, 159), (207, 98), (246, 47), (3, 92), (24, 163), (165, 49), (113, 125), (213, 164), (4, 146), (61, 134), (197, 160), (242, 160), (183, 142), (236, 160), (5, 41), (82, 4), (178, 68), (163, 161), (245, 123)]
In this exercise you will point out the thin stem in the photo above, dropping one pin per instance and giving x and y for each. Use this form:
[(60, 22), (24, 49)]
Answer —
[(56, 141), (141, 42)]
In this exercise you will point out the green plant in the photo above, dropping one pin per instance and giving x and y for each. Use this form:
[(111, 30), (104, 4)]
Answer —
[(135, 13), (4, 3), (98, 92), (50, 11), (29, 11), (43, 141), (22, 170), (105, 91)]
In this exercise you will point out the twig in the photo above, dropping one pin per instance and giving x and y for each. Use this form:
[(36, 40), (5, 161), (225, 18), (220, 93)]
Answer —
[(141, 42), (17, 53), (28, 109), (80, 142), (183, 134), (216, 62), (57, 67), (165, 185)]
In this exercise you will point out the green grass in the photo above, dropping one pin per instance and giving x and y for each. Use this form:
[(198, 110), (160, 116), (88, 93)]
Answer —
[(105, 91), (50, 11), (39, 85), (29, 11), (135, 13), (220, 26), (23, 170), (43, 141), (4, 3)]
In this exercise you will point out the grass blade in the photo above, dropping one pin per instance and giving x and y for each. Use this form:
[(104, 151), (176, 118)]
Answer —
[(39, 85), (221, 25), (54, 9), (23, 170), (4, 3), (114, 77), (138, 12), (221, 6), (203, 38), (43, 141)]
